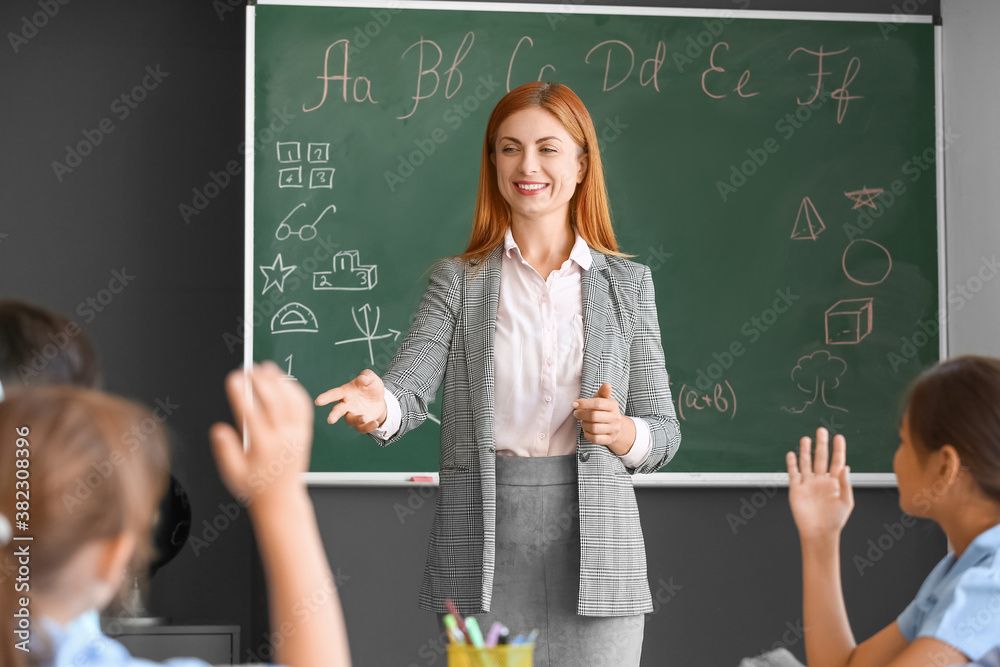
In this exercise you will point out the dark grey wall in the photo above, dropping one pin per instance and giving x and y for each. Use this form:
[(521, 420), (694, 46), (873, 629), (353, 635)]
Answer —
[(723, 588), (722, 594)]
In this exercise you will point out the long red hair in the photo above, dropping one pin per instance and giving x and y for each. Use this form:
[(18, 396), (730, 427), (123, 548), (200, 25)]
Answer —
[(588, 207)]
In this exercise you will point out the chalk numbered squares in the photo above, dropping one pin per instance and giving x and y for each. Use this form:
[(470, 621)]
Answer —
[(319, 152), (290, 178), (321, 178), (289, 151)]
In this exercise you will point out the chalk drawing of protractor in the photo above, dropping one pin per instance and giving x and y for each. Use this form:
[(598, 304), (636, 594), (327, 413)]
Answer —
[(348, 274), (305, 232)]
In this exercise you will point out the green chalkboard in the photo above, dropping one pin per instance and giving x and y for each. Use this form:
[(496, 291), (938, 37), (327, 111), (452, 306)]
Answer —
[(792, 233)]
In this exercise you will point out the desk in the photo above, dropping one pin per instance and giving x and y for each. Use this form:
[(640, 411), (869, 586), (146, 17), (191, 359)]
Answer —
[(215, 644)]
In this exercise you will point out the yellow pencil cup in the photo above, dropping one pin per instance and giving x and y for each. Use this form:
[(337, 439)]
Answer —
[(460, 655)]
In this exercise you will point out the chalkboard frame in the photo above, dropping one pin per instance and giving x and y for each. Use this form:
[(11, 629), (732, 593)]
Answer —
[(671, 479)]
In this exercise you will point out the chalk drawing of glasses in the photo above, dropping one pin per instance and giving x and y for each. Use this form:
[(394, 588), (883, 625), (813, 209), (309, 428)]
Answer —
[(306, 232)]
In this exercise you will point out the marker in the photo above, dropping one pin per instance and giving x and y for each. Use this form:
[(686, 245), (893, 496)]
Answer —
[(494, 634), (504, 637), (453, 610), (532, 636), (472, 629), (518, 640), (454, 634), (421, 478)]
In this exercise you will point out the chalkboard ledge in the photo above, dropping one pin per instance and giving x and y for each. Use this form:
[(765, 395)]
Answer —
[(666, 479)]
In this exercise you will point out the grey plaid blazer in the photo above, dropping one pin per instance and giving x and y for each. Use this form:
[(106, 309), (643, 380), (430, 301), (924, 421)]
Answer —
[(452, 339)]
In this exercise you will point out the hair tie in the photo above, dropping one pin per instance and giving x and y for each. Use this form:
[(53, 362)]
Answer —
[(5, 531)]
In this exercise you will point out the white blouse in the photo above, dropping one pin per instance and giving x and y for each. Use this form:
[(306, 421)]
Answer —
[(538, 355)]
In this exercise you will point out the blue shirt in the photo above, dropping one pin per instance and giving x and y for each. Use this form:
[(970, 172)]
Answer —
[(81, 643), (959, 602), (991, 659)]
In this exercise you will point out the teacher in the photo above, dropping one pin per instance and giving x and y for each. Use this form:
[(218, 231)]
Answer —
[(555, 392)]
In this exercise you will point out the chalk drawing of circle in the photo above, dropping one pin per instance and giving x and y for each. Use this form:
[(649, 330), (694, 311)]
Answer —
[(867, 263), (294, 318)]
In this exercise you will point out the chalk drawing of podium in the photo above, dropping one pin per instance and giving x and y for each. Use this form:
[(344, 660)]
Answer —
[(348, 274)]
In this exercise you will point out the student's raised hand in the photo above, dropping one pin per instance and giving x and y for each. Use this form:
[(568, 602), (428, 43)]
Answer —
[(603, 423), (279, 422), (361, 402), (821, 499)]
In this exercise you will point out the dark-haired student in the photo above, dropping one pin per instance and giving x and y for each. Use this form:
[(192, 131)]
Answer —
[(948, 469), (38, 347)]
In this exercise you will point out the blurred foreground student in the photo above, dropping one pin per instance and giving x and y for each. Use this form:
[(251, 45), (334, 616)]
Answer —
[(81, 545), (947, 469)]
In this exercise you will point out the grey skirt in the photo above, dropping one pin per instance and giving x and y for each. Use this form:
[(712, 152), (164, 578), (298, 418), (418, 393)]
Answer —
[(537, 576)]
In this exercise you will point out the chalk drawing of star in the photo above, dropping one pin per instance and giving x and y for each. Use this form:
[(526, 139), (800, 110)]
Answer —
[(274, 275), (864, 197)]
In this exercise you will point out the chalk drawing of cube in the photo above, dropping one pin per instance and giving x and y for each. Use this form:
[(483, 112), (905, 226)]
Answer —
[(848, 321)]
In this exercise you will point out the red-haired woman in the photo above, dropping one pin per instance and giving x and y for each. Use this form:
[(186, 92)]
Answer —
[(555, 392)]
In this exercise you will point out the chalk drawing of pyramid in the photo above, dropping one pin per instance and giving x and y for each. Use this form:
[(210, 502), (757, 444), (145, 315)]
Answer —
[(808, 224)]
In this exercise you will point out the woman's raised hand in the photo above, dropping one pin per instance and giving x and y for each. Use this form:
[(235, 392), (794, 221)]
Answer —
[(362, 400), (821, 499)]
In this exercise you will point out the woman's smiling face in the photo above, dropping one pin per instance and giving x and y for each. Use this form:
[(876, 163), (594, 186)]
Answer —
[(538, 164)]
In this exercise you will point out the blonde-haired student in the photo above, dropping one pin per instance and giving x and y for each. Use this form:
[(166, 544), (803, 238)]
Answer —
[(80, 547), (948, 470)]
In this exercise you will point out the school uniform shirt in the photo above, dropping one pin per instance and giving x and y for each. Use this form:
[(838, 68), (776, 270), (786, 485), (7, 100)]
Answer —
[(538, 356), (959, 602), (80, 643), (991, 659)]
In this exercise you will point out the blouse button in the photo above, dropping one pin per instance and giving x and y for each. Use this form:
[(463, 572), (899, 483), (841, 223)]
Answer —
[(548, 399), (549, 361), (541, 436)]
